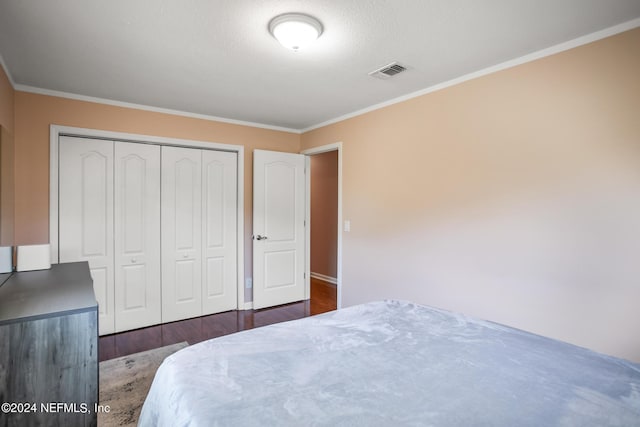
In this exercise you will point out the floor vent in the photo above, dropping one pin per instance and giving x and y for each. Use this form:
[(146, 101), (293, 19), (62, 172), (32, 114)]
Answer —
[(388, 71)]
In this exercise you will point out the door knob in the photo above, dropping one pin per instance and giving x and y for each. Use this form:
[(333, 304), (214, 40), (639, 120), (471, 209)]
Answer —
[(133, 260), (185, 256), (259, 237)]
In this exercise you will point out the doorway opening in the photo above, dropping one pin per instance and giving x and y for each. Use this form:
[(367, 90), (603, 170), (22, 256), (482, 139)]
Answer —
[(324, 237)]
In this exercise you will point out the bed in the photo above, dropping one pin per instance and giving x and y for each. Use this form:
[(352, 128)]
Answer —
[(391, 363)]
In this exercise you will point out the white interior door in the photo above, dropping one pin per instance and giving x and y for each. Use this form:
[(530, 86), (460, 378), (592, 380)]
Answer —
[(86, 215), (278, 228), (137, 235), (181, 233), (219, 246)]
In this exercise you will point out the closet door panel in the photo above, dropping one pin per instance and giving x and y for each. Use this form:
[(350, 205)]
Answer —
[(181, 233), (219, 212), (137, 235), (86, 215)]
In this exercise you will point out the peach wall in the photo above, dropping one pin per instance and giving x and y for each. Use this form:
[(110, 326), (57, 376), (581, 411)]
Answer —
[(7, 187), (324, 213), (512, 197), (6, 159), (6, 101), (35, 113)]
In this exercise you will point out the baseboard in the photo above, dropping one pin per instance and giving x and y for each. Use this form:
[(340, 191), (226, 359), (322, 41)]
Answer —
[(324, 278)]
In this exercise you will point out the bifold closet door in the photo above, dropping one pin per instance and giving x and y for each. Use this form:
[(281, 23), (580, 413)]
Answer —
[(86, 216), (219, 214), (158, 226), (137, 235), (181, 233), (199, 229)]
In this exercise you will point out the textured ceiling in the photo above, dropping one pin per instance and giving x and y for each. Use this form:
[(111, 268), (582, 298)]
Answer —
[(217, 58)]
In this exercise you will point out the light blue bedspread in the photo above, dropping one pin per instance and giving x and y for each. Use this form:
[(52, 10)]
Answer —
[(391, 363)]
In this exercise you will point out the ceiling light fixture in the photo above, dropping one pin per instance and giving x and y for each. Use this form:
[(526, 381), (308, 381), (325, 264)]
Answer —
[(295, 31)]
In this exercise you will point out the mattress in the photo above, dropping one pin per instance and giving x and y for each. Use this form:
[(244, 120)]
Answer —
[(391, 363)]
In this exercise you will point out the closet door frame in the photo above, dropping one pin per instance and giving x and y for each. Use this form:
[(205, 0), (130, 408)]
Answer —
[(55, 131)]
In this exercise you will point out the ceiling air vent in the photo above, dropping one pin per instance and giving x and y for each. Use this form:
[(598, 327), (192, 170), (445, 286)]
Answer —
[(388, 70)]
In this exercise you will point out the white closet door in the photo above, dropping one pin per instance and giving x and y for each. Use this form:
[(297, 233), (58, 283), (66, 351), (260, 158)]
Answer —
[(181, 233), (219, 248), (137, 235), (86, 215)]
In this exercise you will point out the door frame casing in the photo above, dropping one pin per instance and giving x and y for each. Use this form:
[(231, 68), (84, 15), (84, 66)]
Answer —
[(337, 146), (55, 131)]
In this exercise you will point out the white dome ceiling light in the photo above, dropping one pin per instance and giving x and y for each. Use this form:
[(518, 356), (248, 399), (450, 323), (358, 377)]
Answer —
[(295, 31)]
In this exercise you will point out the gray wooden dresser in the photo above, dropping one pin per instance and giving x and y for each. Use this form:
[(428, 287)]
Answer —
[(49, 347)]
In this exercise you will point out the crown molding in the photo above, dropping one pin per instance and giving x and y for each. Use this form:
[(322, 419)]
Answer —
[(586, 39), (67, 95), (6, 71)]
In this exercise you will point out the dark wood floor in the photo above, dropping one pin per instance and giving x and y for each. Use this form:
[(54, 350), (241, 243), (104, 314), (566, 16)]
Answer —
[(323, 299)]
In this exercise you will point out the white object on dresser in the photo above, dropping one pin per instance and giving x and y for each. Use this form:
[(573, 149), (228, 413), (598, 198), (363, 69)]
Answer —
[(6, 259), (34, 257)]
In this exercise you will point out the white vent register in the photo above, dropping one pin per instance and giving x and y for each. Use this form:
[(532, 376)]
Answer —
[(388, 71)]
